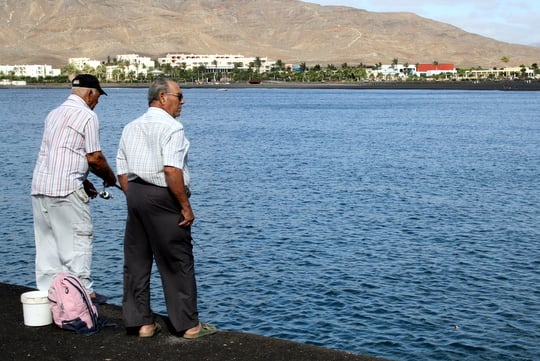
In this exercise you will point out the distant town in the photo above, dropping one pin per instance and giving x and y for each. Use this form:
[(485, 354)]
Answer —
[(225, 68)]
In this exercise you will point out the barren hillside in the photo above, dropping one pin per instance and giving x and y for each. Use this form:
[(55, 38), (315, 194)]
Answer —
[(44, 31)]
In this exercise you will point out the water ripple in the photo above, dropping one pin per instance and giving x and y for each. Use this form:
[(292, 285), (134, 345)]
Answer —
[(401, 224)]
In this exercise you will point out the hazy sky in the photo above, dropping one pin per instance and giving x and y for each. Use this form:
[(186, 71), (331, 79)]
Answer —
[(512, 21)]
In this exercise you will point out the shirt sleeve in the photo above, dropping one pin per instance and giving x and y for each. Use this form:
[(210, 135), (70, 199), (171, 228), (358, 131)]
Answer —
[(92, 143), (175, 149), (121, 161)]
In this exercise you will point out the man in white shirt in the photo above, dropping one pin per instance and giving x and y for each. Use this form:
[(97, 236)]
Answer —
[(153, 172), (70, 149)]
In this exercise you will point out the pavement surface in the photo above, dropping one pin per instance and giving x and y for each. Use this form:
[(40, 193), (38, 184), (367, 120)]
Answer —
[(20, 342)]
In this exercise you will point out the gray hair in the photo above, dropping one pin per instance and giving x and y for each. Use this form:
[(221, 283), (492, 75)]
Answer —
[(158, 86), (82, 92)]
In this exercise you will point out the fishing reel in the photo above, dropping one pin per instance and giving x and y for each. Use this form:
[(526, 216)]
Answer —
[(104, 194)]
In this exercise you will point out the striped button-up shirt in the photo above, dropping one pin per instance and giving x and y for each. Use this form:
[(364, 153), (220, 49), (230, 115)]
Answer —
[(71, 132), (151, 142)]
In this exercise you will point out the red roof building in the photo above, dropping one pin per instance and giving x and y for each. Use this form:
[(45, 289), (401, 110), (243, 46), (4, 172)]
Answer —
[(434, 69)]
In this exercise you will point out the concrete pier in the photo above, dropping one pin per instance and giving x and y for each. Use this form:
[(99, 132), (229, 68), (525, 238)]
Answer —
[(19, 342)]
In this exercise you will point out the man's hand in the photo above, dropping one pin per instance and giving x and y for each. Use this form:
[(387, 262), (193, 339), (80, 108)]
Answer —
[(99, 166), (189, 217), (90, 189), (175, 181)]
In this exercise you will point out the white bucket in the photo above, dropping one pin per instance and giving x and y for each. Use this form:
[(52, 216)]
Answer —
[(36, 310)]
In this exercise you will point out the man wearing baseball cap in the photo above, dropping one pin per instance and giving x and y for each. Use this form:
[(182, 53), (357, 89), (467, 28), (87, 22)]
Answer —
[(87, 81), (70, 149)]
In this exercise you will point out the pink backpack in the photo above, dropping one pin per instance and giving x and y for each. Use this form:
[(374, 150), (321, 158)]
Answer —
[(71, 306)]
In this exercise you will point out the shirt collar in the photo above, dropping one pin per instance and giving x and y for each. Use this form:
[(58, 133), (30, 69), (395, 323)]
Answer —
[(78, 99)]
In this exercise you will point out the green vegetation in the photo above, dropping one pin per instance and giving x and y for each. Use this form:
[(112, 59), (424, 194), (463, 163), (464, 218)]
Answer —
[(279, 72)]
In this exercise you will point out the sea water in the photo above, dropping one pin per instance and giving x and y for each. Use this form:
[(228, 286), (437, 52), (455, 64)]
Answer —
[(402, 224)]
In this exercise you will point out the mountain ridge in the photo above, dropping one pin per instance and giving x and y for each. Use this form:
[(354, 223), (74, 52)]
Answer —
[(41, 31)]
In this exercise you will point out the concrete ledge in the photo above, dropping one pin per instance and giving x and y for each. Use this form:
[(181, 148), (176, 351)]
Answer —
[(20, 342)]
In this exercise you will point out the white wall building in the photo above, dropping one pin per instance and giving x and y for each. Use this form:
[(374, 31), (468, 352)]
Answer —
[(32, 71), (137, 65), (214, 62), (508, 73), (135, 59), (80, 63), (395, 71)]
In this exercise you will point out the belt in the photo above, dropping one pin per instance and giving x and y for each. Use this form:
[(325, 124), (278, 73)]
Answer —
[(139, 180)]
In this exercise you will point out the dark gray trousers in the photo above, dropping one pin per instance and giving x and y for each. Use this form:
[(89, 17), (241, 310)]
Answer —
[(152, 232)]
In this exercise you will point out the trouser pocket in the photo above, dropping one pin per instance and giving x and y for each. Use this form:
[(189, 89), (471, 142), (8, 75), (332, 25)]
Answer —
[(81, 193)]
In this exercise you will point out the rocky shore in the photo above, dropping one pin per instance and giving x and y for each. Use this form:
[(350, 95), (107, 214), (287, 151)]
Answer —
[(19, 342)]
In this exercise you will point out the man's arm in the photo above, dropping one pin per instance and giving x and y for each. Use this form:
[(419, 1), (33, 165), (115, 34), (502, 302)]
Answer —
[(123, 180), (99, 166), (175, 181)]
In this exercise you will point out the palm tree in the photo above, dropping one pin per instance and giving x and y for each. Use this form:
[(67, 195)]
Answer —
[(214, 63), (407, 70), (88, 69), (200, 69), (131, 75), (117, 74), (258, 64), (69, 69), (101, 72), (523, 71), (303, 69), (280, 65)]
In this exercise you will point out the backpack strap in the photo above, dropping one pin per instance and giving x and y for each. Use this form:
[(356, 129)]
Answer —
[(88, 303)]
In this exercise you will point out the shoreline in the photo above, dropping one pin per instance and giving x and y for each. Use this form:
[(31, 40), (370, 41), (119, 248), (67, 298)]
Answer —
[(516, 85), (44, 343)]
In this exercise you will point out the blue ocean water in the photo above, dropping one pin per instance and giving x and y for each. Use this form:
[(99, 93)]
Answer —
[(403, 224)]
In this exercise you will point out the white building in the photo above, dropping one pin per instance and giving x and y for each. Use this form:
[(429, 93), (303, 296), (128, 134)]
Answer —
[(215, 62), (32, 71), (137, 65), (508, 73), (130, 65), (80, 63), (135, 59), (395, 71)]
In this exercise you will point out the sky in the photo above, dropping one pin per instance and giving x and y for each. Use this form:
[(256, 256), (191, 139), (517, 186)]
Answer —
[(511, 21)]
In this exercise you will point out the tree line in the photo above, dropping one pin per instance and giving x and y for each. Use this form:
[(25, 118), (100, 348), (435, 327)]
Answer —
[(278, 72)]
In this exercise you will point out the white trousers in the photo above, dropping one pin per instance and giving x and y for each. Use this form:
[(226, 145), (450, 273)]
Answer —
[(63, 232)]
